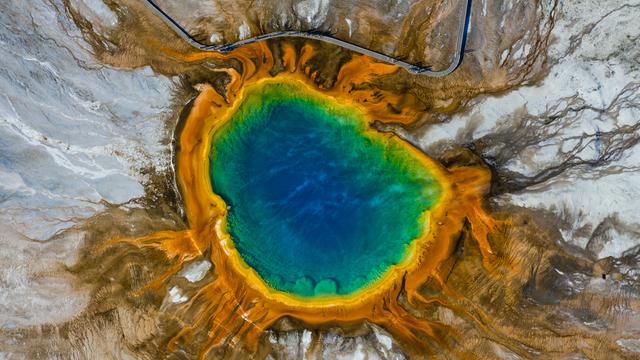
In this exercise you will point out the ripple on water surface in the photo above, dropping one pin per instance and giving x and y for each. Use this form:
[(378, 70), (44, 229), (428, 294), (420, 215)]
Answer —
[(318, 204)]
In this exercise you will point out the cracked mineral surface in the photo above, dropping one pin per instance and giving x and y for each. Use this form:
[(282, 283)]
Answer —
[(95, 95)]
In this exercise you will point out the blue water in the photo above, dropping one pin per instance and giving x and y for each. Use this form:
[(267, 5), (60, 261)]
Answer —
[(316, 205)]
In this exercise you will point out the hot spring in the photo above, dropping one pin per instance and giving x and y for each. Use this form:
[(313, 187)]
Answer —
[(318, 203)]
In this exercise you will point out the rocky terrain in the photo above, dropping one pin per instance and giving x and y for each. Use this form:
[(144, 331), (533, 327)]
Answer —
[(547, 97), (389, 27)]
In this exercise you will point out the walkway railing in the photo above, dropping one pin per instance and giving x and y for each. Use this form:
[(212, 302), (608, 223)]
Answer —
[(412, 68)]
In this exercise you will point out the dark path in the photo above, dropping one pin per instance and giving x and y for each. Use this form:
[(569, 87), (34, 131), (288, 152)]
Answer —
[(414, 69)]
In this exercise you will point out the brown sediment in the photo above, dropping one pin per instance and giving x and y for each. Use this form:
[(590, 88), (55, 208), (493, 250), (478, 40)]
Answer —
[(525, 298), (135, 42), (236, 307), (214, 315)]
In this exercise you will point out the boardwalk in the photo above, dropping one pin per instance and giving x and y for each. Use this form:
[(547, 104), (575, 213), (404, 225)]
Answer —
[(412, 68)]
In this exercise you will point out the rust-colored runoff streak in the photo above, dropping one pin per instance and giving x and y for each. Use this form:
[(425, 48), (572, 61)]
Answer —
[(236, 307)]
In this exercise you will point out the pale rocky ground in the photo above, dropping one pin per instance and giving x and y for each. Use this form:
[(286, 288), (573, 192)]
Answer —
[(570, 143), (77, 135), (74, 135)]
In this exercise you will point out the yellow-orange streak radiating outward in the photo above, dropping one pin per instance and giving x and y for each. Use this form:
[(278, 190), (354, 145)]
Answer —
[(238, 305)]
